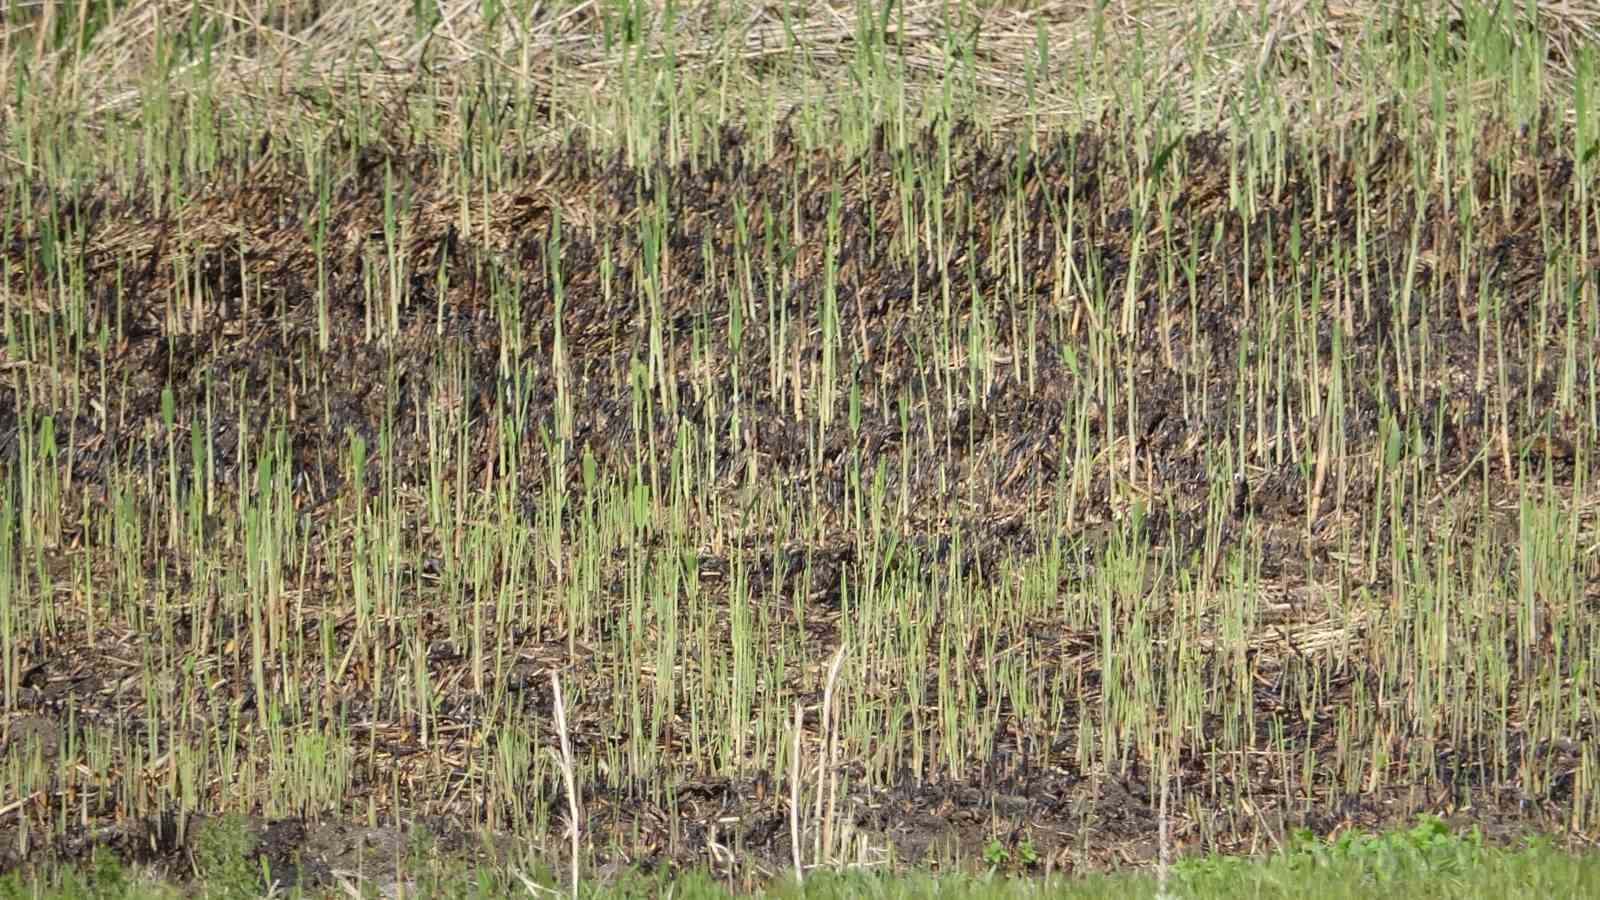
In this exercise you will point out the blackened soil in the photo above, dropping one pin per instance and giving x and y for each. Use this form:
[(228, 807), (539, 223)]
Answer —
[(241, 353)]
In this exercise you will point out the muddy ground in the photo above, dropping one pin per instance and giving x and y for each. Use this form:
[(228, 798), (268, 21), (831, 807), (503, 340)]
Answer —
[(1007, 445)]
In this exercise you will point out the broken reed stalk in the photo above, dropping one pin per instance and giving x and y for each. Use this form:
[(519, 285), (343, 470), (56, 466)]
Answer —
[(1163, 840), (794, 797), (566, 775), (827, 766)]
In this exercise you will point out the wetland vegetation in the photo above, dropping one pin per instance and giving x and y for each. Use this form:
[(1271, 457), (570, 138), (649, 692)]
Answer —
[(1008, 438)]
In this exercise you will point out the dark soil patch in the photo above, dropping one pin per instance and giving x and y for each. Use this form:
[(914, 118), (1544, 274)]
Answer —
[(242, 359)]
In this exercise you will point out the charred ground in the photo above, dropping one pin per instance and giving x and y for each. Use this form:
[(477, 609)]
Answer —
[(594, 295)]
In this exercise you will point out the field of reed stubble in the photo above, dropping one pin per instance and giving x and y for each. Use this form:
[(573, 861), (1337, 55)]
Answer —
[(1052, 478)]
